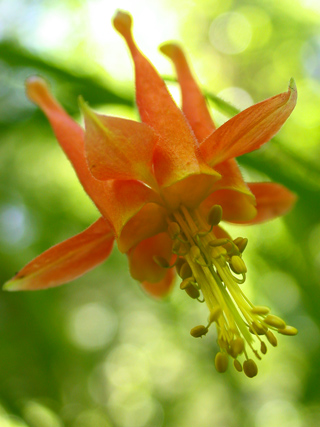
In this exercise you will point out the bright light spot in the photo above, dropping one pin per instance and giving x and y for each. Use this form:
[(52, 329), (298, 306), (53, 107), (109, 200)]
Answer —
[(311, 56), (39, 415), (135, 409), (91, 418), (127, 368), (168, 364), (15, 227), (152, 26), (278, 413), (236, 96), (11, 421), (92, 326), (261, 25), (311, 4), (52, 29), (230, 33), (307, 110), (175, 92), (139, 320)]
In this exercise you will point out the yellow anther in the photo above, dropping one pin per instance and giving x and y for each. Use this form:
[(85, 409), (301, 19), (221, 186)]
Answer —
[(238, 265), (186, 283), (230, 247), (183, 250), (221, 362), (215, 215), (218, 242), (237, 240), (176, 246), (162, 262), (260, 309), (257, 328), (191, 290), (215, 314), (250, 368), (263, 348), (194, 252), (199, 331), (237, 346), (185, 271), (202, 233), (218, 252), (241, 243), (237, 365), (179, 264), (173, 230), (288, 330), (257, 354), (275, 321), (271, 338)]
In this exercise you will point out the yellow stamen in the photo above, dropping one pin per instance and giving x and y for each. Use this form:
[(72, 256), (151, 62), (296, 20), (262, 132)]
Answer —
[(206, 268), (215, 215), (185, 271), (215, 314), (263, 348), (260, 309), (238, 265), (288, 330), (199, 331), (275, 321), (271, 338), (221, 362), (237, 365), (250, 368), (173, 230)]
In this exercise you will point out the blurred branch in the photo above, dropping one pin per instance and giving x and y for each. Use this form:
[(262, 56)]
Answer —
[(94, 91)]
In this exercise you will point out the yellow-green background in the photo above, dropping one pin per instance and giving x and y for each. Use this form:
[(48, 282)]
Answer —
[(98, 352)]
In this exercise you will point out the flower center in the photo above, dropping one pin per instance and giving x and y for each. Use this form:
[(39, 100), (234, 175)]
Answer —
[(211, 270)]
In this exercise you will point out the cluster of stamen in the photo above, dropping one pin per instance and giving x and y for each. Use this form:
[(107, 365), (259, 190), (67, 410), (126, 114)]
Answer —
[(212, 270)]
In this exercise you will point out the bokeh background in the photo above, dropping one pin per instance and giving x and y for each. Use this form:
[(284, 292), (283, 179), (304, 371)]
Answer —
[(99, 352)]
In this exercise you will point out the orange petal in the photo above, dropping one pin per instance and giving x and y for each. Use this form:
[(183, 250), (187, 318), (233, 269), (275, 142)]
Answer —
[(118, 201), (148, 222), (70, 136), (251, 128), (190, 191), (236, 206), (161, 288), (195, 109), (194, 104), (67, 260), (273, 200), (220, 233), (67, 131), (141, 262), (118, 148), (176, 155), (231, 177)]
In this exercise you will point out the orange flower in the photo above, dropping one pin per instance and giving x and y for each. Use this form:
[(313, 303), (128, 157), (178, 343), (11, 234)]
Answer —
[(162, 187)]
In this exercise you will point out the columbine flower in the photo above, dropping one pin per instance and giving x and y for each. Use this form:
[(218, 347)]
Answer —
[(162, 187)]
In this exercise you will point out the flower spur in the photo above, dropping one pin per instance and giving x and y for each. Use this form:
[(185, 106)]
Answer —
[(162, 187)]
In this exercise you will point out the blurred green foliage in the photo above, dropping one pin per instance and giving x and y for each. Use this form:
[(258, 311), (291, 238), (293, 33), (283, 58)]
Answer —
[(98, 352)]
